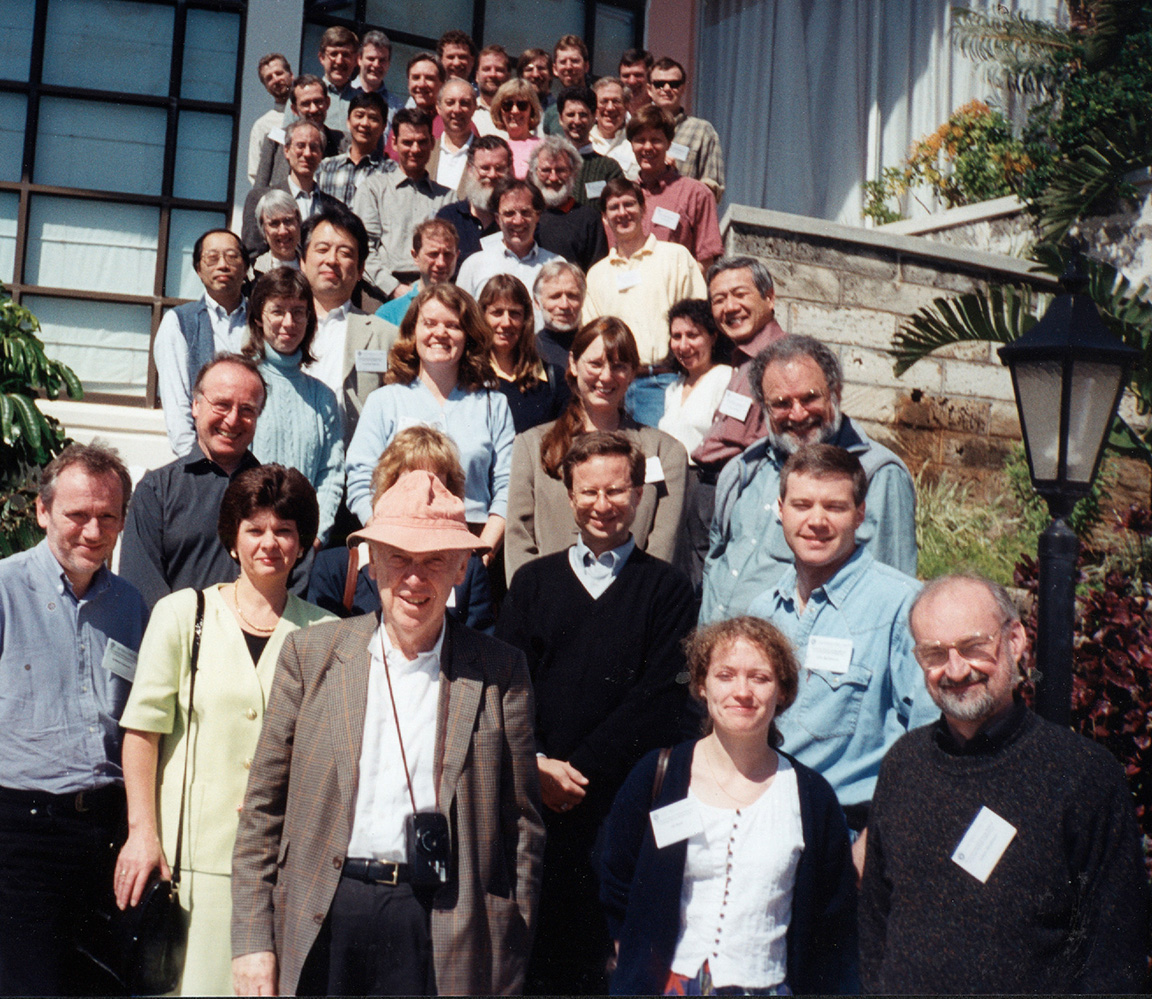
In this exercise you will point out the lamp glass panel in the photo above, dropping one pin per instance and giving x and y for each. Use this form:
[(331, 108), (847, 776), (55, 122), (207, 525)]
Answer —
[(1038, 399), (1093, 390)]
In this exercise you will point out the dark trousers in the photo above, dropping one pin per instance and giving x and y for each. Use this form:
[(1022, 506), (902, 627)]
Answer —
[(376, 940), (692, 542), (57, 855)]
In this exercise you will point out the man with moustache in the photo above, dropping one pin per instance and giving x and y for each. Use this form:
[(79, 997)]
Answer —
[(798, 382), (633, 73), (489, 161), (558, 292), (566, 227)]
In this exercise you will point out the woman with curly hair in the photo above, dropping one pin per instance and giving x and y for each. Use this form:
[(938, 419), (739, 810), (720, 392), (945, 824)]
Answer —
[(439, 375)]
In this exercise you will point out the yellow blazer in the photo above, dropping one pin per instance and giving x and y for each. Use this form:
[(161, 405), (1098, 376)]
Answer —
[(230, 700)]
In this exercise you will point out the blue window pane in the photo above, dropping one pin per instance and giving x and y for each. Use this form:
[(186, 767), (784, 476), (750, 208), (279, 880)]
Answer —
[(184, 228), (615, 32), (517, 24), (430, 20), (203, 153), (15, 39), (9, 202), (92, 245), (105, 343), (13, 109), (109, 45), (210, 40), (104, 147)]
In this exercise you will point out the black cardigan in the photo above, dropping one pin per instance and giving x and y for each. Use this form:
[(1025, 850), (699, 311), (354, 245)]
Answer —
[(640, 885)]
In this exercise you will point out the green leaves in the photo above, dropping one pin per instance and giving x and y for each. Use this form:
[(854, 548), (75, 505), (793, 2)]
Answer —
[(1022, 54)]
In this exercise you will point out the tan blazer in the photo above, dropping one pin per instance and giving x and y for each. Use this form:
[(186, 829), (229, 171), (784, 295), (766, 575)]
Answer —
[(297, 817), (364, 332), (540, 519)]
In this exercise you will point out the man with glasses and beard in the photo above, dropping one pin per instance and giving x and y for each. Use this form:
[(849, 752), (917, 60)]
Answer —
[(473, 217), (566, 227), (798, 382)]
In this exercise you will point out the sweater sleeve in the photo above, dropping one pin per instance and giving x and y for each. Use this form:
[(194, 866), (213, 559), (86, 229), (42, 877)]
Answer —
[(330, 482), (503, 434), (373, 432)]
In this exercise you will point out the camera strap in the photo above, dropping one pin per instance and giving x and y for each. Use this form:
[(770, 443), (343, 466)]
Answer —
[(396, 718)]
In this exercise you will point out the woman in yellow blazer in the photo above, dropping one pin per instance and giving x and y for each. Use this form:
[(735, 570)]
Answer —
[(268, 519)]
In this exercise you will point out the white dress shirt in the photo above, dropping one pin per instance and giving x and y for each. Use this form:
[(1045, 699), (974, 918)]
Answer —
[(302, 198), (597, 572), (450, 167), (328, 349), (480, 267), (382, 801)]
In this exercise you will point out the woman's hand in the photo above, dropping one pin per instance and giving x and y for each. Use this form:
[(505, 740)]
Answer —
[(139, 857)]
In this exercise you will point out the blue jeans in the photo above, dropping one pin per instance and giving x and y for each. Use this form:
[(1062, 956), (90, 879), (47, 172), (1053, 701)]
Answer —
[(644, 401)]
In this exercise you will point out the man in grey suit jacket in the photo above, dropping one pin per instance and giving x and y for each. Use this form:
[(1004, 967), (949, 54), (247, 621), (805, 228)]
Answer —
[(370, 722)]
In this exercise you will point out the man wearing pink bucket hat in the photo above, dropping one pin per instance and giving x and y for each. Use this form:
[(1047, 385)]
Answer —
[(391, 840)]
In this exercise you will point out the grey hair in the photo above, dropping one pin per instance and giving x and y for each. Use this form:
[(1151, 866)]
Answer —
[(376, 38), (299, 123), (596, 87), (554, 145), (553, 269), (97, 459), (760, 276), (276, 200), (1000, 596), (789, 348)]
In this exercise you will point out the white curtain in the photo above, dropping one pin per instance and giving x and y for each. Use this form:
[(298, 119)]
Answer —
[(813, 97)]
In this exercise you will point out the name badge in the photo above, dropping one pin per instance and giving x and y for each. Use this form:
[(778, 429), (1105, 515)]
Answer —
[(277, 135), (735, 405), (675, 822), (662, 216), (593, 189), (451, 598), (370, 361), (626, 280), (678, 151), (984, 844), (120, 660), (832, 655), (653, 470)]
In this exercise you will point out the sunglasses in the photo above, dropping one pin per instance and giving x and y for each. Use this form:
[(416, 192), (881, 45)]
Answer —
[(517, 105), (665, 84)]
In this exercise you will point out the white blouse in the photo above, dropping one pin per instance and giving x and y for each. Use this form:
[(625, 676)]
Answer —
[(736, 898), (689, 420)]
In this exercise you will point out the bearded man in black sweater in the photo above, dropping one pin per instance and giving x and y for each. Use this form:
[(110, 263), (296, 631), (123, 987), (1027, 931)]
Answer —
[(1003, 853), (602, 625)]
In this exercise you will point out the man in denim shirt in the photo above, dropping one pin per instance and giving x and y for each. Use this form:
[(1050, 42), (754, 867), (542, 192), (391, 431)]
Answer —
[(69, 631), (846, 615)]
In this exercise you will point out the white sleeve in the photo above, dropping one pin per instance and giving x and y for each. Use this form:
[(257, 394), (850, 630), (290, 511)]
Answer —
[(170, 352)]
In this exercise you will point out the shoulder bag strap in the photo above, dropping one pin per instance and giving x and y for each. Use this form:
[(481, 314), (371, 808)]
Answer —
[(350, 576), (196, 632), (661, 770)]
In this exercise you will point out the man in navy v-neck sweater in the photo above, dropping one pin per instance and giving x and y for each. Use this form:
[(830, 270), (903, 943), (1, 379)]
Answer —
[(601, 625)]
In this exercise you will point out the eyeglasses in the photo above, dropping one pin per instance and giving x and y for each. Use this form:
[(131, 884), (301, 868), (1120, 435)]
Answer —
[(665, 84), (616, 495), (978, 649), (222, 407), (516, 105), (560, 170), (213, 257)]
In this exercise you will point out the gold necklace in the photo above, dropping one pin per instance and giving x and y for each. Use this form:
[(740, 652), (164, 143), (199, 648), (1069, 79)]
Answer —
[(252, 627)]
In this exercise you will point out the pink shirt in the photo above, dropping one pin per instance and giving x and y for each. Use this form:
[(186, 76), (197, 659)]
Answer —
[(697, 226)]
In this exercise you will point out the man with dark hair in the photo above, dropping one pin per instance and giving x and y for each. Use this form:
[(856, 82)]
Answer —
[(69, 634), (339, 176), (798, 382), (577, 108), (493, 68), (425, 76), (191, 334), (678, 208), (170, 537), (310, 102), (570, 65), (695, 145), (391, 204), (375, 59), (606, 620), (457, 53), (535, 66), (434, 248), (566, 227), (276, 75), (350, 347), (634, 67), (338, 50), (489, 161), (1003, 853), (847, 617)]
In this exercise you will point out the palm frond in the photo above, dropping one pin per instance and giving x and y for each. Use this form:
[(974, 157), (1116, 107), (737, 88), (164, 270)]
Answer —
[(1020, 53)]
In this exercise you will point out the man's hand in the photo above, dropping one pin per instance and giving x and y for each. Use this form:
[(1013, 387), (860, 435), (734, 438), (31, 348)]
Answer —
[(858, 854), (561, 784), (254, 974), (139, 857)]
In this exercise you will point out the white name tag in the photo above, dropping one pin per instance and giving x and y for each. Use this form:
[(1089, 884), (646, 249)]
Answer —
[(626, 280), (493, 241), (662, 216), (593, 189), (675, 822), (735, 405), (120, 659), (451, 598), (277, 135), (653, 470), (832, 655), (984, 844), (678, 151), (371, 360)]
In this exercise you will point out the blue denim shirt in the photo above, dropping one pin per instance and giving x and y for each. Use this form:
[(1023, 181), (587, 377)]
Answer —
[(66, 666), (747, 552), (843, 723)]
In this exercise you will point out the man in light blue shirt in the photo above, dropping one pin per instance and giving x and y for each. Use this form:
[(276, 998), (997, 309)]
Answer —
[(798, 382), (846, 615), (69, 632)]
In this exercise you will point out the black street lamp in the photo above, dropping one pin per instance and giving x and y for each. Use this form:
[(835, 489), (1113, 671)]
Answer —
[(1068, 373)]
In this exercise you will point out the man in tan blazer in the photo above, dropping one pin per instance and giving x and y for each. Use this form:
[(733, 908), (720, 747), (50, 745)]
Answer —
[(324, 898)]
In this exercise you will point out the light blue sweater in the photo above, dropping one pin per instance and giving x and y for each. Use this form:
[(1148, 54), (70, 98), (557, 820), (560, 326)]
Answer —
[(300, 427)]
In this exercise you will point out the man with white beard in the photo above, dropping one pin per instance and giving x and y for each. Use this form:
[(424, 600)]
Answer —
[(489, 160), (798, 382), (558, 292), (566, 227)]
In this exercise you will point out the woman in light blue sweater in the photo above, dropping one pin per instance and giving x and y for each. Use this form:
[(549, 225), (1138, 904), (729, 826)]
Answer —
[(300, 424)]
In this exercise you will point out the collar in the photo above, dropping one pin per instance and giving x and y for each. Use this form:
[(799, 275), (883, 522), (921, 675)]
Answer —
[(564, 208), (837, 588), (197, 461), (528, 258), (989, 739), (614, 558), (337, 315), (459, 152), (587, 149), (296, 190), (283, 362), (679, 117), (403, 178), (47, 564), (218, 310), (669, 176), (770, 332), (609, 143), (649, 247), (429, 661)]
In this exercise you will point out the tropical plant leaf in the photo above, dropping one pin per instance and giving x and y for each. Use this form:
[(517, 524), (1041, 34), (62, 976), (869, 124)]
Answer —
[(1019, 53), (1125, 441), (30, 419)]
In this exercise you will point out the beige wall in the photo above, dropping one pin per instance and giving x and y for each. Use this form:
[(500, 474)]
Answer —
[(671, 31)]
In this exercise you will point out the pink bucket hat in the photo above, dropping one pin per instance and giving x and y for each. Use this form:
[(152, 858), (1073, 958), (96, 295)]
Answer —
[(418, 514)]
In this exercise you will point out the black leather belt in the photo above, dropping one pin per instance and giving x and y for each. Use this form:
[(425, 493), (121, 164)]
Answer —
[(100, 801), (376, 872)]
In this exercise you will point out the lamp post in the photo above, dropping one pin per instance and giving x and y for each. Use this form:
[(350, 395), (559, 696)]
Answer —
[(1068, 373)]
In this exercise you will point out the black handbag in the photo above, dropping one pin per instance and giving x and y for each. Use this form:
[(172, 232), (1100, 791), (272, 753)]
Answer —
[(151, 938)]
